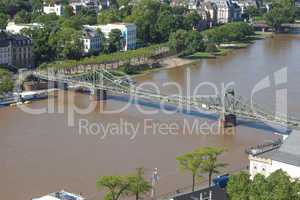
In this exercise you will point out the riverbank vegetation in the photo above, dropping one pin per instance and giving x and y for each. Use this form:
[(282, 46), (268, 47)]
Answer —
[(118, 186), (283, 11), (6, 82), (277, 186), (207, 44), (201, 161), (132, 57)]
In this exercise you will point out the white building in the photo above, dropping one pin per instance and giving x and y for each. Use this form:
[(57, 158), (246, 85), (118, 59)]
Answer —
[(228, 11), (91, 40), (16, 28), (90, 4), (286, 157), (128, 33), (62, 195), (58, 9)]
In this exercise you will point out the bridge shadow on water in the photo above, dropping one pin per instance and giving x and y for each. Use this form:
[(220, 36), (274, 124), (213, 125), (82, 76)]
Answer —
[(269, 127)]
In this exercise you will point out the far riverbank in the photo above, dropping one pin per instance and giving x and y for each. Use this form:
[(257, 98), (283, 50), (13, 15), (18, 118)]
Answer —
[(176, 61)]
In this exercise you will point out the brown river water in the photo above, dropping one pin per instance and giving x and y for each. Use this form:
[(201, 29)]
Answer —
[(41, 153)]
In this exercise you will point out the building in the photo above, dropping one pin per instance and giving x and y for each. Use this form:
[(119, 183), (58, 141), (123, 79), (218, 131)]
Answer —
[(58, 9), (91, 41), (285, 156), (5, 50), (89, 4), (224, 12), (227, 11), (211, 10), (62, 195), (16, 50), (128, 33), (16, 28), (210, 193)]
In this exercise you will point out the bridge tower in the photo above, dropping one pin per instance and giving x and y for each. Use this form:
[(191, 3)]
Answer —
[(100, 94), (227, 121)]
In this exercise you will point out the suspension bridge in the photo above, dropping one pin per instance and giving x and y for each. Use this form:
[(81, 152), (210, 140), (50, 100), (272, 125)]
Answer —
[(229, 106)]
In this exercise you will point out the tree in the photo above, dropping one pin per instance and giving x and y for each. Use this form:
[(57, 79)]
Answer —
[(177, 41), (280, 185), (68, 11), (238, 186), (191, 162), (252, 11), (194, 42), (116, 186), (6, 82), (138, 185), (210, 163), (108, 16), (23, 17), (283, 11), (145, 14), (191, 20), (114, 41), (165, 25), (259, 189), (3, 20)]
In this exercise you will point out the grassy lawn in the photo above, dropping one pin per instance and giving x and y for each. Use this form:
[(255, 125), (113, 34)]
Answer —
[(201, 55), (208, 55)]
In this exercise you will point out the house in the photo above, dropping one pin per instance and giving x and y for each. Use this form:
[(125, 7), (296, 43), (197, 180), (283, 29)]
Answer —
[(285, 156), (89, 4), (16, 50), (56, 8), (5, 50), (16, 28), (227, 11), (210, 193), (224, 12), (211, 10), (91, 40), (128, 33), (62, 195)]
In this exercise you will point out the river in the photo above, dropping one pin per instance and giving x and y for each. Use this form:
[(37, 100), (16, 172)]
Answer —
[(40, 154)]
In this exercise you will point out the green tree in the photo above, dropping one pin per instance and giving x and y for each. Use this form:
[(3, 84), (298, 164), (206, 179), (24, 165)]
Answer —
[(192, 163), (145, 14), (259, 189), (280, 185), (6, 82), (194, 42), (238, 186), (210, 163), (108, 16), (138, 185), (114, 41), (177, 41), (68, 11), (283, 11), (43, 50), (116, 186), (191, 20), (3, 20), (23, 17), (252, 11), (165, 25)]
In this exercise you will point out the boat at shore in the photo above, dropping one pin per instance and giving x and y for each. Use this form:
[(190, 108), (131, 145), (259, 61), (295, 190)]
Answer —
[(25, 97), (61, 195)]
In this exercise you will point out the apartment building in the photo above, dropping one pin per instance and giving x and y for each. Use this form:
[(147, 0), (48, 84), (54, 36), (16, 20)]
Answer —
[(128, 31)]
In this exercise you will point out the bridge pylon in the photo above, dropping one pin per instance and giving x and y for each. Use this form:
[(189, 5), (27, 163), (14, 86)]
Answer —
[(100, 95), (227, 121)]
